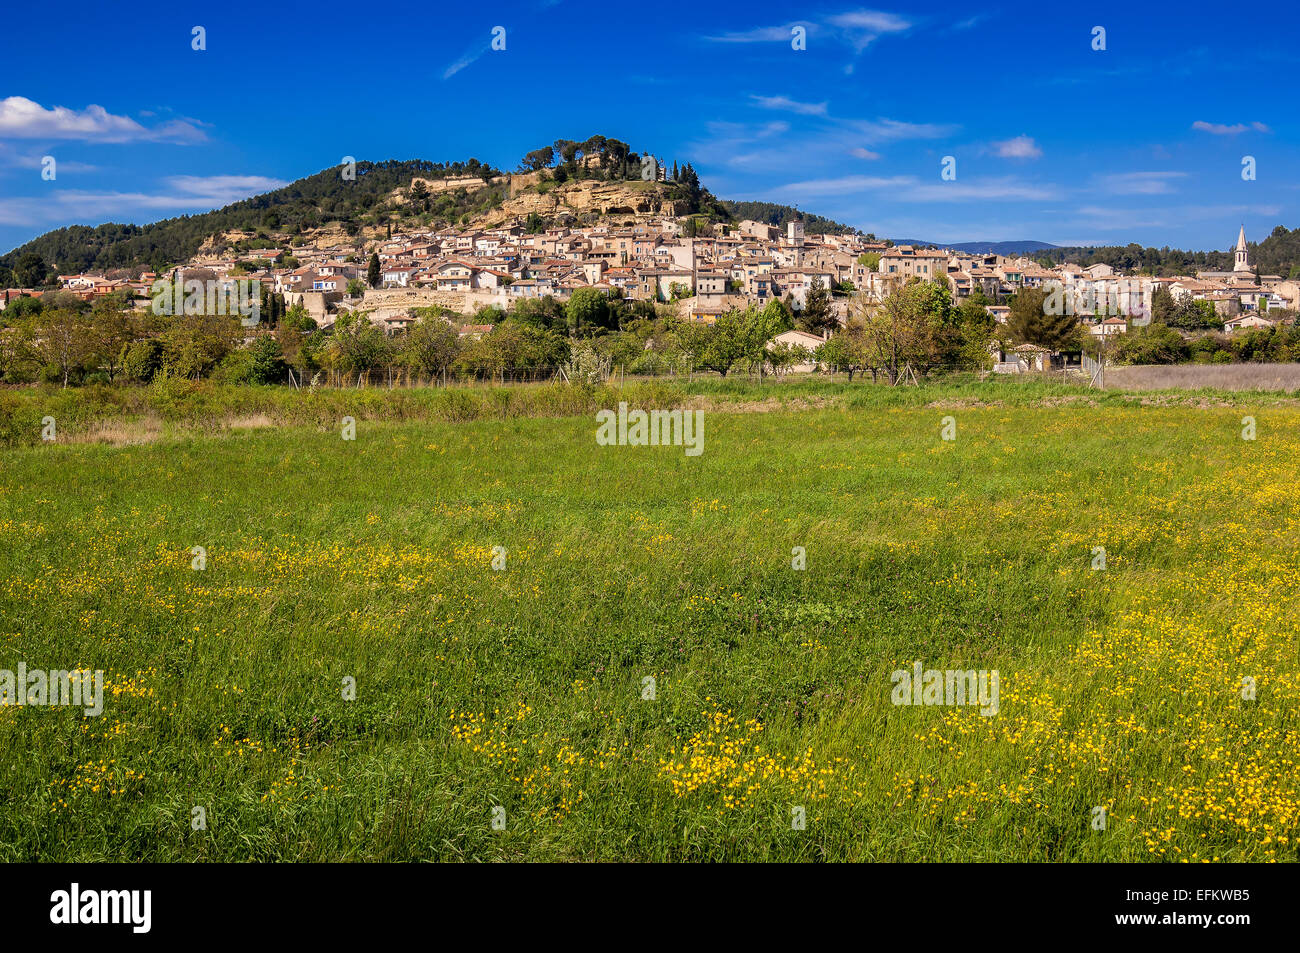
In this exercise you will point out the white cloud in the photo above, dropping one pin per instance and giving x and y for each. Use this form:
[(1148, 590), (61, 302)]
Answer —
[(857, 28), (846, 184), (981, 190), (772, 147), (1021, 147), (874, 20), (790, 105), (461, 63), (908, 188), (763, 34), (731, 132), (11, 158), (893, 130), (21, 118), (223, 189), (1127, 218), (862, 27), (1141, 183), (1220, 129), (186, 193)]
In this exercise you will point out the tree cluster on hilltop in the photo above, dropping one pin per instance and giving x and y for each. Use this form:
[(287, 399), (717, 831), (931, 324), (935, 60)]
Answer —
[(603, 158), (770, 213)]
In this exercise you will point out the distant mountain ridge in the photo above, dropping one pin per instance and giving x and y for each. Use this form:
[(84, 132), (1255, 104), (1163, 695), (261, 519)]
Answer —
[(984, 248)]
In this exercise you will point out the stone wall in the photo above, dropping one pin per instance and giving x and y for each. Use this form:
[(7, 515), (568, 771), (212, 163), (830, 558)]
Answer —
[(386, 302)]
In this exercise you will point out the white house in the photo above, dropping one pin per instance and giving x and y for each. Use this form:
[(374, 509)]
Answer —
[(1109, 327), (810, 342), (1250, 320)]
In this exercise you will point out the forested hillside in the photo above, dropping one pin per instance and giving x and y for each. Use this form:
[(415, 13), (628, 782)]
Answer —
[(304, 204), (781, 215)]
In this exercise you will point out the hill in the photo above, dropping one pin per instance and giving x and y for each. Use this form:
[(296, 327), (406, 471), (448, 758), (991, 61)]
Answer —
[(771, 213), (293, 210), (570, 183), (1001, 248), (1278, 254), (980, 248)]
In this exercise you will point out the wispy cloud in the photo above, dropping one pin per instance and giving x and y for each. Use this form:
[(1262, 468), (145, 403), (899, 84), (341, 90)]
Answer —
[(733, 132), (183, 193), (875, 130), (11, 158), (856, 28), (1021, 147), (786, 104), (1140, 183), (762, 34), (911, 189), (845, 184), (863, 27), (22, 118), (972, 190), (1220, 129), (223, 189), (766, 147), (893, 130), (466, 59), (970, 22), (1125, 218)]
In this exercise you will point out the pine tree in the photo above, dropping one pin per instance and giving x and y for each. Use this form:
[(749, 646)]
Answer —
[(1029, 322), (691, 180), (372, 270)]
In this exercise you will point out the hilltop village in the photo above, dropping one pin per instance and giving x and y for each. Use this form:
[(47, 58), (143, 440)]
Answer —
[(702, 277)]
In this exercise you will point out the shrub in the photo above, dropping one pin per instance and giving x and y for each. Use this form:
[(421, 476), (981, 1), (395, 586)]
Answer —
[(586, 366), (170, 396), (141, 360), (1154, 344), (20, 421)]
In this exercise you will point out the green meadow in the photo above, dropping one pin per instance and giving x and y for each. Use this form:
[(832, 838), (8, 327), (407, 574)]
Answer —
[(644, 674)]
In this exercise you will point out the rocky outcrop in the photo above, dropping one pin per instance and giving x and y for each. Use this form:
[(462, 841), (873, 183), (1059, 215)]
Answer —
[(620, 201)]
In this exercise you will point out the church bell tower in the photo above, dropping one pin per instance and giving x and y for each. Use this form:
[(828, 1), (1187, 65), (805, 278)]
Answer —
[(1243, 259)]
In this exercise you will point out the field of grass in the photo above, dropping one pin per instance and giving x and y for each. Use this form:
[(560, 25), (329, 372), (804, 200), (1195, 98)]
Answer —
[(519, 693), (1278, 377)]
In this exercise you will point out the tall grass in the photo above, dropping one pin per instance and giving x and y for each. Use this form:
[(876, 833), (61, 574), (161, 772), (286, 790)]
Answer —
[(173, 407)]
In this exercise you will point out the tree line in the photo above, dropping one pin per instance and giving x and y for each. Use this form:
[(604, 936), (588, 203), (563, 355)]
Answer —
[(61, 339), (1278, 254)]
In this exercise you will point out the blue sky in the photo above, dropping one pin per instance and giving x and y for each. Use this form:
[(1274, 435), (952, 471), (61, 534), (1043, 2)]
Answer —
[(1052, 140)]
